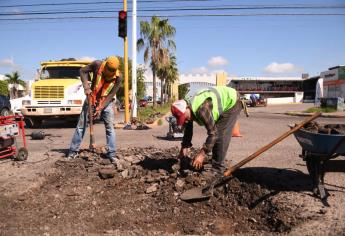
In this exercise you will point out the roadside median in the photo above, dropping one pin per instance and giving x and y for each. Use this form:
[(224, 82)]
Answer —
[(149, 115), (327, 112)]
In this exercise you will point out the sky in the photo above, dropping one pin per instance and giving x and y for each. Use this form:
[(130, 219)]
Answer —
[(255, 45)]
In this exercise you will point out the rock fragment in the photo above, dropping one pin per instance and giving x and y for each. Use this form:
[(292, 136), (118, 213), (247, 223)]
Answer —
[(152, 188), (106, 173)]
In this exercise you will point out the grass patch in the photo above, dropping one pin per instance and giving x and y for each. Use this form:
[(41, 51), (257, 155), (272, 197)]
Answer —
[(145, 113), (321, 109), (159, 122)]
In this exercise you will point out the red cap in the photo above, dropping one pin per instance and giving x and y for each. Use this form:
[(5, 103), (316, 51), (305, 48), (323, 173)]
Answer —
[(178, 109)]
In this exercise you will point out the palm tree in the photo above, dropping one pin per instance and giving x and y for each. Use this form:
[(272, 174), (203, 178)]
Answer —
[(157, 38), (168, 74), (14, 80), (141, 82)]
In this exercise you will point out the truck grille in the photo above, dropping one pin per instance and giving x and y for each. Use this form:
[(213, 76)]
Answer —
[(48, 102), (44, 92)]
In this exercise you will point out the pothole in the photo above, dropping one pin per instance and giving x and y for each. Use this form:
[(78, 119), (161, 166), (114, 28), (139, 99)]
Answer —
[(143, 197)]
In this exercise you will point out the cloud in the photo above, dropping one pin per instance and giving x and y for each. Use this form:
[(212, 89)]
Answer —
[(218, 71), (279, 68), (7, 62), (87, 58), (217, 61), (199, 70)]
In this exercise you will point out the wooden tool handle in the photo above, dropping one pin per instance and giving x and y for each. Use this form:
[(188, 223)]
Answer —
[(92, 141), (231, 169)]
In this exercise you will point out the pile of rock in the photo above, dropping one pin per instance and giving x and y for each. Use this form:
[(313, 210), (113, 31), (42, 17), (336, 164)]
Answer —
[(151, 166)]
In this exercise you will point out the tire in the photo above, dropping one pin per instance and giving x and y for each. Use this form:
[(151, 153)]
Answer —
[(22, 154), (34, 123), (5, 112)]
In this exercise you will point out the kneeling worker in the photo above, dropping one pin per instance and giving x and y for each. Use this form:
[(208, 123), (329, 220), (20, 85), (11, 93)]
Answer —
[(216, 108), (104, 85)]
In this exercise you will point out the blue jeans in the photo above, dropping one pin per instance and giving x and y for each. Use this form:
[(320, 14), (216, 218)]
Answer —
[(107, 115)]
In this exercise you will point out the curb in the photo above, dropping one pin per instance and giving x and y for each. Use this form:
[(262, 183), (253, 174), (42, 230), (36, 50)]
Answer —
[(325, 115)]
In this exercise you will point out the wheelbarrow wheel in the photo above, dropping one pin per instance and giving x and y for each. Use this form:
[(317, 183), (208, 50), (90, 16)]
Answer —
[(22, 154)]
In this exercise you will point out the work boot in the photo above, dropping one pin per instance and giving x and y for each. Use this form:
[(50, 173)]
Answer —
[(112, 159), (72, 155)]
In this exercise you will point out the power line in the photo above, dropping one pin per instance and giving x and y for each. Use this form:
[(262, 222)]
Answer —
[(101, 2), (177, 16), (172, 9)]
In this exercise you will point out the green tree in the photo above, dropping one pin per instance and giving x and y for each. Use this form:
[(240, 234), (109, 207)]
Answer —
[(121, 92), (168, 74), (183, 89), (4, 88), (14, 80), (157, 39), (140, 82)]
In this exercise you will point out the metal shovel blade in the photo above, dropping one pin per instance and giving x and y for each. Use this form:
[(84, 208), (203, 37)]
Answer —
[(195, 194)]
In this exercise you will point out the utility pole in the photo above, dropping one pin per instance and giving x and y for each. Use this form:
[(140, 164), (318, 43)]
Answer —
[(125, 58), (134, 59)]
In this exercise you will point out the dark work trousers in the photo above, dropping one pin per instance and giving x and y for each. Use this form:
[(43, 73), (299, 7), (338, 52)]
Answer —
[(225, 124)]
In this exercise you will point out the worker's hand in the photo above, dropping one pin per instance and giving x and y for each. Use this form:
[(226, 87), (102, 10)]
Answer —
[(87, 91), (199, 159), (97, 113), (184, 152)]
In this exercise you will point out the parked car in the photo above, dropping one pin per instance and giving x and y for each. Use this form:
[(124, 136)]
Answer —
[(129, 105), (5, 106), (143, 103)]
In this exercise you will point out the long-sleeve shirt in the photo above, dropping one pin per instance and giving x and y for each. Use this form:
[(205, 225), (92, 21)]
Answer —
[(85, 78), (205, 114)]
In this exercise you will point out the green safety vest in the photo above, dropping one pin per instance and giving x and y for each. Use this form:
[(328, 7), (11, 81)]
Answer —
[(223, 98)]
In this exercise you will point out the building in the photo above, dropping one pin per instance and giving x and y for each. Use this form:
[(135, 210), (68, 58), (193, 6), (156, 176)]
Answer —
[(195, 81), (334, 82), (276, 89), (309, 88)]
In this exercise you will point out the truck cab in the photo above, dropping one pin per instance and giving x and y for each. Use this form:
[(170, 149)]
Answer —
[(57, 93)]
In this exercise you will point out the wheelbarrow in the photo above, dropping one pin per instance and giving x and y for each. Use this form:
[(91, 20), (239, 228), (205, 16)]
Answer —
[(317, 149)]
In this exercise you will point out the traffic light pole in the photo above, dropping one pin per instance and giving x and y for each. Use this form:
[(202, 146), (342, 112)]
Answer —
[(125, 58), (134, 59)]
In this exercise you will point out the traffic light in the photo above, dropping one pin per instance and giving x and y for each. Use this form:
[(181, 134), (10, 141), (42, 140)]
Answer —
[(122, 24)]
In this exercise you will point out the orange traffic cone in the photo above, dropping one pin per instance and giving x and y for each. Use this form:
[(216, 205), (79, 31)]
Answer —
[(236, 130)]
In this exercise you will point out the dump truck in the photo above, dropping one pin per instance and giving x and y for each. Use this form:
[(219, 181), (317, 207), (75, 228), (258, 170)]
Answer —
[(56, 93)]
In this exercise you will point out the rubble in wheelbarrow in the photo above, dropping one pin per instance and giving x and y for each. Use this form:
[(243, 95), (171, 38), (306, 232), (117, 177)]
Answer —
[(141, 194), (315, 127)]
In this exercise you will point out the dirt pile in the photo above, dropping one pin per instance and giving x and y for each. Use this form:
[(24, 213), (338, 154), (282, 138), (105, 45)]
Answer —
[(315, 127), (142, 198)]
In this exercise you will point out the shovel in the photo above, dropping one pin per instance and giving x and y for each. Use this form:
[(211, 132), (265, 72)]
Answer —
[(92, 145), (206, 192)]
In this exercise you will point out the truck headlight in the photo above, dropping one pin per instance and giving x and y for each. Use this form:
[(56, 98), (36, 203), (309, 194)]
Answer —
[(75, 102), (26, 102)]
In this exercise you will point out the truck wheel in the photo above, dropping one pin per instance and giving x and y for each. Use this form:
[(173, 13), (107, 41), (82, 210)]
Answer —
[(36, 123), (33, 122), (5, 112), (22, 154)]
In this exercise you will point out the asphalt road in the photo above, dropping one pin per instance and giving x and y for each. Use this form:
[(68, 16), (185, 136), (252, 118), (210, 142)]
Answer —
[(263, 125)]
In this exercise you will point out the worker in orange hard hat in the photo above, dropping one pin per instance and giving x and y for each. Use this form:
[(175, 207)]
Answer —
[(105, 83)]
